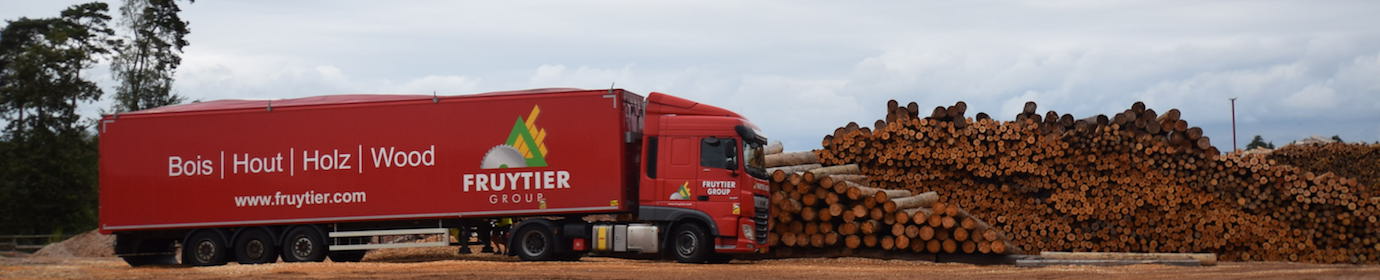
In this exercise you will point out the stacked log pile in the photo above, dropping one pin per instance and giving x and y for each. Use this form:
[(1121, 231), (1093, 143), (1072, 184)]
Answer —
[(1351, 161), (1137, 181), (833, 210)]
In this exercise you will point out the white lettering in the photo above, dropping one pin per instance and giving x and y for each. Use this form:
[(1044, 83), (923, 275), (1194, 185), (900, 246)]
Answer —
[(244, 163), (719, 187), (195, 167), (481, 183), (468, 180), (315, 160), (514, 181), (392, 157)]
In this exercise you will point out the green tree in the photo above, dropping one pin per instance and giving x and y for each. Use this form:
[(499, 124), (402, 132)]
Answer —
[(145, 65), (1259, 142), (48, 157), (1337, 138)]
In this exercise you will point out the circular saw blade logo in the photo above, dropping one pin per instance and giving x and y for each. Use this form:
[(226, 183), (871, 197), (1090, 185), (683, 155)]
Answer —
[(526, 146), (683, 193)]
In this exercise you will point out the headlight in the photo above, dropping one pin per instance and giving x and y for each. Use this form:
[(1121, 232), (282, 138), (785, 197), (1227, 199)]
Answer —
[(747, 231)]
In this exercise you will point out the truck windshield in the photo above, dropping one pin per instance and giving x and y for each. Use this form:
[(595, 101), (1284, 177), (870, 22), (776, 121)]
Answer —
[(756, 159)]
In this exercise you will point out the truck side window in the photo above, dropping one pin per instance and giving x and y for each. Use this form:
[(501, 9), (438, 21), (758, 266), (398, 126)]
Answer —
[(714, 152), (651, 157)]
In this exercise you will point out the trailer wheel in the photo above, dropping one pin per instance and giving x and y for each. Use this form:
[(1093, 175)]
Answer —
[(535, 243), (255, 246), (204, 248), (690, 244), (347, 256), (304, 244)]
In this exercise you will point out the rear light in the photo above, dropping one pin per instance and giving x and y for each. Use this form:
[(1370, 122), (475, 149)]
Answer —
[(577, 244)]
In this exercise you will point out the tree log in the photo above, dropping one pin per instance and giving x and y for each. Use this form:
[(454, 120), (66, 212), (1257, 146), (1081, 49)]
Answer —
[(925, 199), (836, 170), (792, 158), (774, 148)]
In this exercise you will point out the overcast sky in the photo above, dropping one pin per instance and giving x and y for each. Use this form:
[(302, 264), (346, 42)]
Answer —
[(801, 68)]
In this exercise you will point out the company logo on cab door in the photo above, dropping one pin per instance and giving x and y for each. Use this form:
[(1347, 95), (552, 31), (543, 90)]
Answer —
[(683, 193), (512, 179)]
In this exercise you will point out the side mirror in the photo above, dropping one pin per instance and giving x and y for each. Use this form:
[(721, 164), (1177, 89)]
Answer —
[(732, 165)]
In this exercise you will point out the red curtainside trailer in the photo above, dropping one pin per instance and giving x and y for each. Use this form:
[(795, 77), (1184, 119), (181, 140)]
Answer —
[(304, 179)]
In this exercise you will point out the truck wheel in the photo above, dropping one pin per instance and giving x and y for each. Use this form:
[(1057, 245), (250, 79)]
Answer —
[(204, 248), (150, 260), (347, 256), (254, 246), (690, 244), (535, 243), (304, 244)]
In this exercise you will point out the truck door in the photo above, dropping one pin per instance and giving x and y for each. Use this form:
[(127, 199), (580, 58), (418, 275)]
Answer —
[(679, 176), (719, 168), (699, 169)]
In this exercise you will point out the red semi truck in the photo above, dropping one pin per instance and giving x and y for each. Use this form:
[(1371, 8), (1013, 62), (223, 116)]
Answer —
[(583, 171)]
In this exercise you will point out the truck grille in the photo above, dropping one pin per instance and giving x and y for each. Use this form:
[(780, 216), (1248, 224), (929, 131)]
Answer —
[(762, 207)]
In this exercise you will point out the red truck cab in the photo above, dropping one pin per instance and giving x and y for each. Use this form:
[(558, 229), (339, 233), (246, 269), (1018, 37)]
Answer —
[(704, 160)]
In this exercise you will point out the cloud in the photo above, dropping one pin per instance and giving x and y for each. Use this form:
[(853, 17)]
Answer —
[(434, 83), (798, 110), (550, 75), (1313, 97), (212, 75), (799, 69)]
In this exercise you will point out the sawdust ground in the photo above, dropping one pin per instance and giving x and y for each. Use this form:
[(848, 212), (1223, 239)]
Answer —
[(88, 244), (443, 263)]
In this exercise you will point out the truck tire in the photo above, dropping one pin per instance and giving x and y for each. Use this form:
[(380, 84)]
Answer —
[(204, 248), (255, 246), (535, 242), (304, 244), (347, 256), (150, 260), (690, 244)]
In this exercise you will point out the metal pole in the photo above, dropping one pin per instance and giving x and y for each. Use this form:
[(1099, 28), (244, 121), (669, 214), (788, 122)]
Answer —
[(1233, 124)]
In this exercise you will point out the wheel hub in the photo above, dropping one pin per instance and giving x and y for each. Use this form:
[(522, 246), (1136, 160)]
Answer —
[(533, 243), (687, 244), (205, 251), (255, 249), (302, 247)]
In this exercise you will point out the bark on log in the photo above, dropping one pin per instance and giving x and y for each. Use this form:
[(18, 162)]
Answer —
[(925, 199), (792, 158), (836, 170)]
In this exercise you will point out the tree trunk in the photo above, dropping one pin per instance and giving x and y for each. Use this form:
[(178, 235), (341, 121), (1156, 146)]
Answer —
[(792, 158)]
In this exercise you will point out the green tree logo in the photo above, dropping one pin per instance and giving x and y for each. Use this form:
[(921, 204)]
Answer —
[(529, 139)]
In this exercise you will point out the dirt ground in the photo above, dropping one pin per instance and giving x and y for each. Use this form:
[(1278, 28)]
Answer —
[(443, 263)]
